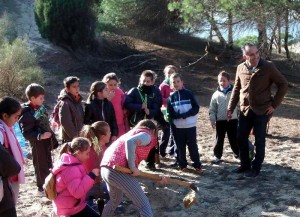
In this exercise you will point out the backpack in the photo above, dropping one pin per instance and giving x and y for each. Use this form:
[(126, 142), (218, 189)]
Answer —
[(50, 184), (54, 115)]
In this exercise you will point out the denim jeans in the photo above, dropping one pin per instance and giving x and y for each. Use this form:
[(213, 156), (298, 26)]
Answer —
[(259, 124)]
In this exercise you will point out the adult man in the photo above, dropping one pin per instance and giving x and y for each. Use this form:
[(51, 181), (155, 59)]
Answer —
[(252, 88)]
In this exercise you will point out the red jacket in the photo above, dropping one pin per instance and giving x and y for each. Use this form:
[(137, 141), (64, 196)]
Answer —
[(165, 90)]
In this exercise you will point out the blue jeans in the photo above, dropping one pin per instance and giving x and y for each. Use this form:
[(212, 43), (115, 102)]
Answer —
[(259, 124), (187, 137)]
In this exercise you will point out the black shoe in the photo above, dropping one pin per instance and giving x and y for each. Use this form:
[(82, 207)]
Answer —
[(174, 165), (150, 167), (240, 170), (251, 174)]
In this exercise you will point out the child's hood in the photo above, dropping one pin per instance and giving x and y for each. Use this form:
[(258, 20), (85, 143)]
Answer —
[(66, 160), (65, 95)]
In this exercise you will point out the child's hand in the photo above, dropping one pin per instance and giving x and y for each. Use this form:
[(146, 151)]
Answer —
[(229, 115), (144, 106), (135, 171), (110, 95), (113, 138), (46, 135), (164, 180), (138, 142), (147, 111), (213, 125), (96, 171)]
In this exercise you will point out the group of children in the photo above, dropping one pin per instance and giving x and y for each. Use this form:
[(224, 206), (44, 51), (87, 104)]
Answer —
[(100, 135)]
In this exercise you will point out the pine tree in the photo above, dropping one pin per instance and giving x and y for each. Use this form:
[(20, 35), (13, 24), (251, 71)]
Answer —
[(67, 23)]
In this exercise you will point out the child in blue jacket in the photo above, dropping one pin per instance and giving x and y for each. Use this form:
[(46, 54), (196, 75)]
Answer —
[(182, 109)]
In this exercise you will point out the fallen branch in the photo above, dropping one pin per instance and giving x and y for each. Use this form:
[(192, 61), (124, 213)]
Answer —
[(193, 63), (133, 55)]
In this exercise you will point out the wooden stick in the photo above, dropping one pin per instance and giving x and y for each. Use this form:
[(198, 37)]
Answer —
[(156, 177)]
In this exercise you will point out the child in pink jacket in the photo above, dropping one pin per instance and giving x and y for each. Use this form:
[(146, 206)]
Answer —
[(117, 98), (72, 181)]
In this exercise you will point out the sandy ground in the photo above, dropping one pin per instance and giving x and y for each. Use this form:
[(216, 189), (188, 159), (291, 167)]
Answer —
[(275, 192)]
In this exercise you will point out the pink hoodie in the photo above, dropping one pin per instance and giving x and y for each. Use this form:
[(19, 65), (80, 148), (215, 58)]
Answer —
[(117, 102), (72, 185), (165, 90)]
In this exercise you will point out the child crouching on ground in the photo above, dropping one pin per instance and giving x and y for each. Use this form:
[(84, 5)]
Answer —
[(182, 109), (128, 151), (72, 181)]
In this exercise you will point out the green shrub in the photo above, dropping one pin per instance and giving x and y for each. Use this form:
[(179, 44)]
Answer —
[(142, 16), (7, 28), (18, 68), (69, 23), (240, 42)]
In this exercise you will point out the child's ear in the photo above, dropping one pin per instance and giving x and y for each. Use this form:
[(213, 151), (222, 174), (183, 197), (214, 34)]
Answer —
[(31, 98), (244, 57), (4, 116)]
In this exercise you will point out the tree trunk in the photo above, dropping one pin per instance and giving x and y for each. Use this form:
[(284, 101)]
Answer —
[(230, 32), (215, 28), (286, 34), (278, 33), (262, 32)]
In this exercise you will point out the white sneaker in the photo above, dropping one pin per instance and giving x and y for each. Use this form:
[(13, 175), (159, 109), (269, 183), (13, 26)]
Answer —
[(216, 160)]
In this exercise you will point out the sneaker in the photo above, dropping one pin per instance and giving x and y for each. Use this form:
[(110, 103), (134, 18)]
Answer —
[(150, 167), (157, 166), (216, 160), (240, 170), (174, 165), (251, 174)]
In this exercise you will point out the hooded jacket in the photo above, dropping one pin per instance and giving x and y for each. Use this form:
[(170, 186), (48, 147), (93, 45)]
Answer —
[(70, 116), (218, 105), (33, 124), (101, 110), (135, 99), (72, 185)]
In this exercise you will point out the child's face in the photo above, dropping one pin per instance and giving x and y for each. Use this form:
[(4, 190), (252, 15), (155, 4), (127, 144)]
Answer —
[(169, 72), (37, 101), (73, 89), (223, 81), (147, 81), (112, 85), (177, 83), (103, 94), (106, 138), (82, 156), (10, 120)]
